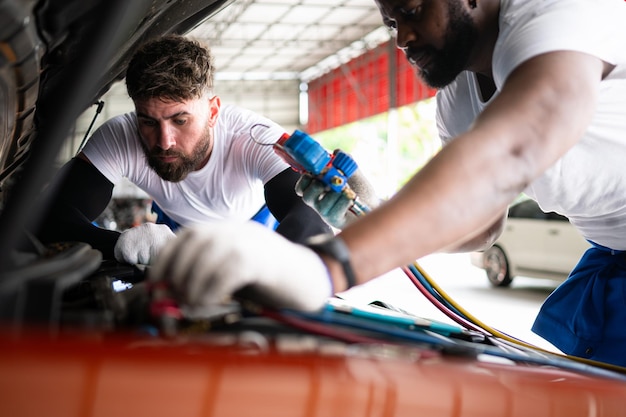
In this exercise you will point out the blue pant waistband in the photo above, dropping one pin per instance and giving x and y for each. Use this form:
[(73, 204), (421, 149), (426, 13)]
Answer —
[(605, 249)]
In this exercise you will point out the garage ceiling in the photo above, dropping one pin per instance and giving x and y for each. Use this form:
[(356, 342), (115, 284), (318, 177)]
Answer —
[(290, 39)]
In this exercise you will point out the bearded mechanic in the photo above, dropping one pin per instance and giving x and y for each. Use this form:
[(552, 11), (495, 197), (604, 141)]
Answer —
[(532, 99), (200, 161)]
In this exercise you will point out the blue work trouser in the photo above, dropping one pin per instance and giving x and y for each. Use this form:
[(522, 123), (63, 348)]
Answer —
[(586, 315)]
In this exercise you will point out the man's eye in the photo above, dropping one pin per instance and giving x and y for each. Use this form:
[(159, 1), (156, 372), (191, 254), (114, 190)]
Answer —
[(408, 13), (180, 122), (411, 13), (149, 123)]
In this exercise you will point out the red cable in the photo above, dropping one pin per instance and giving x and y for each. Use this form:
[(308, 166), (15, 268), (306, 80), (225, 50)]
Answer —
[(445, 310), (320, 329)]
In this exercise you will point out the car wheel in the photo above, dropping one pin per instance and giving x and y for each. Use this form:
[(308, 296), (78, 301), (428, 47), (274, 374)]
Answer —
[(497, 267)]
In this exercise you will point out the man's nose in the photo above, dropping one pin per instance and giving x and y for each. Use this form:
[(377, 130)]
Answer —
[(167, 137), (404, 35)]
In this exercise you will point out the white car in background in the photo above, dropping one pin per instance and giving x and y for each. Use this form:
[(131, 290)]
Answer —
[(533, 244)]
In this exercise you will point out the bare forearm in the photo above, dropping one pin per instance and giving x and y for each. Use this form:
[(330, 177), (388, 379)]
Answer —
[(482, 241)]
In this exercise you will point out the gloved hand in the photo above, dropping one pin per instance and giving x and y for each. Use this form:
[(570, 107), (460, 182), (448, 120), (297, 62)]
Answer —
[(334, 207), (140, 244), (206, 265)]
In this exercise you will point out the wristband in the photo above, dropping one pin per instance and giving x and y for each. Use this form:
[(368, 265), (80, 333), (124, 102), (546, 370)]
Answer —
[(336, 248)]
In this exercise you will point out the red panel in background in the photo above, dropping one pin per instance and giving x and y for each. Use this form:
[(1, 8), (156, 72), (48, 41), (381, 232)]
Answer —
[(360, 89)]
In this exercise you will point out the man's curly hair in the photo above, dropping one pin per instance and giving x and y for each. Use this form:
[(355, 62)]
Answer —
[(171, 67)]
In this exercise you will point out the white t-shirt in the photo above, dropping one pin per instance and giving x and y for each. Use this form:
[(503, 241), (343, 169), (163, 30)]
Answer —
[(588, 184), (229, 186)]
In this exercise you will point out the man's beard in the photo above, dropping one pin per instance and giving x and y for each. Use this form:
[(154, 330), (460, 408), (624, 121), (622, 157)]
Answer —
[(447, 63), (177, 171)]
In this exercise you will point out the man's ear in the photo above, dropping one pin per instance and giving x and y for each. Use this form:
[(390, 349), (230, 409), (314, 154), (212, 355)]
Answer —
[(214, 109)]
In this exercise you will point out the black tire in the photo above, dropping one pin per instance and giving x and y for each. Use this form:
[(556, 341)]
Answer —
[(19, 85), (496, 267)]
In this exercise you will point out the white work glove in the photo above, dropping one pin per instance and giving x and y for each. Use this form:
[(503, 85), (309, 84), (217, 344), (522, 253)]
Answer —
[(140, 244), (334, 207), (206, 265)]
